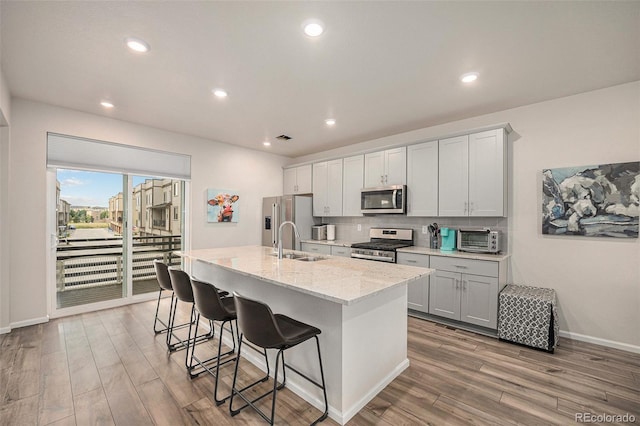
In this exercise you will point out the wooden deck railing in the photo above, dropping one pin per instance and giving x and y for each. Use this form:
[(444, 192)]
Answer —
[(97, 262)]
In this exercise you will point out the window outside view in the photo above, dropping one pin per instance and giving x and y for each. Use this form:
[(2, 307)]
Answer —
[(90, 215)]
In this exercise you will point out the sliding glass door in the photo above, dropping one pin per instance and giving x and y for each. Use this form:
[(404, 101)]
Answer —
[(91, 252), (110, 228)]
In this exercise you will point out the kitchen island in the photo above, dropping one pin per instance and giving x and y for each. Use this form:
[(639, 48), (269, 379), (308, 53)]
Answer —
[(360, 306)]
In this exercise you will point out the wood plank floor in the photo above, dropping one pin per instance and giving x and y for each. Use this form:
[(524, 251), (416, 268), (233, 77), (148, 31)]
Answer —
[(108, 368)]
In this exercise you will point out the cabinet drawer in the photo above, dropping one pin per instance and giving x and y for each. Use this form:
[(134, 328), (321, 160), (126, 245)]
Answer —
[(341, 251), (316, 248), (465, 266), (413, 259)]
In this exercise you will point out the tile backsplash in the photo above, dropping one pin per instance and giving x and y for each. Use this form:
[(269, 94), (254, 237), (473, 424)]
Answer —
[(347, 227)]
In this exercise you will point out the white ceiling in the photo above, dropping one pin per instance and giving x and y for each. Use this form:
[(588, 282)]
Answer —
[(380, 67)]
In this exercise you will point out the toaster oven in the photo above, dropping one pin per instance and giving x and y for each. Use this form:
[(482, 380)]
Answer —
[(479, 240)]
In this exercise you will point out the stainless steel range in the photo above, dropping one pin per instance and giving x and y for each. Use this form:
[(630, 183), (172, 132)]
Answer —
[(383, 244)]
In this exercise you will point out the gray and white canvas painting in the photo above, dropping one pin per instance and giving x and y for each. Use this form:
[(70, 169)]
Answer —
[(593, 201)]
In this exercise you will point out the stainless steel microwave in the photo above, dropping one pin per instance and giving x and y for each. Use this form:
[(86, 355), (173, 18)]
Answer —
[(384, 199), (479, 240)]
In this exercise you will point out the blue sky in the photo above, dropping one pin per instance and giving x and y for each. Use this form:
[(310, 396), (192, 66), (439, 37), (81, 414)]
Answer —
[(92, 189)]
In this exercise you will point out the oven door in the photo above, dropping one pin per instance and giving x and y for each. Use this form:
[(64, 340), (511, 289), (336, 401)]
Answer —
[(387, 199)]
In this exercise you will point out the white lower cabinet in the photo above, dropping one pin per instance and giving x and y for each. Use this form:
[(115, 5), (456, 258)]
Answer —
[(465, 290), (315, 248), (417, 291)]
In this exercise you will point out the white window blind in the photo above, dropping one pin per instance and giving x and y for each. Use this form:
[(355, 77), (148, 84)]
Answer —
[(86, 154)]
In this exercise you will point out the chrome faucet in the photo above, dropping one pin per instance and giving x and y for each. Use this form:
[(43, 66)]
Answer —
[(295, 229)]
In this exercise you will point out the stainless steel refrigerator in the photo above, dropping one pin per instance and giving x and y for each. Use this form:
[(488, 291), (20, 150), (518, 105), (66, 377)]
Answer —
[(275, 210)]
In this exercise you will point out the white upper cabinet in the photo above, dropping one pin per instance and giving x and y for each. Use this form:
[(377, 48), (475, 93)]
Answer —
[(327, 188), (453, 176), (385, 168), (422, 179), (352, 183), (297, 180), (289, 178), (472, 175), (374, 169), (487, 171)]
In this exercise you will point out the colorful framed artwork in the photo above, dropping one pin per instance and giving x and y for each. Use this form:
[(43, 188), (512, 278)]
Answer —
[(592, 201), (222, 206)]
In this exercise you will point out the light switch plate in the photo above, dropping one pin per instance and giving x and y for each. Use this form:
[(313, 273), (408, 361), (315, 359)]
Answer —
[(359, 227), (425, 229)]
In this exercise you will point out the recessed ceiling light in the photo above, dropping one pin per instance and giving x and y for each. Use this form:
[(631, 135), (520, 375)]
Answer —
[(266, 143), (313, 27), (330, 121), (220, 93), (137, 45), (469, 77), (106, 104)]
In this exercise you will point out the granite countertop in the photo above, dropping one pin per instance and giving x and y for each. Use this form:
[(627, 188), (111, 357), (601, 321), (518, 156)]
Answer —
[(341, 243), (340, 279), (424, 250), (464, 255)]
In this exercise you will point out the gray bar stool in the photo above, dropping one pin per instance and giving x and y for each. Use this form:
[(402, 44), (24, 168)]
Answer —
[(181, 283), (261, 327), (164, 281), (211, 306)]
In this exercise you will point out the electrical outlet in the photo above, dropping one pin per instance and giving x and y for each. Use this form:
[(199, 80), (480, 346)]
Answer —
[(359, 227), (425, 229)]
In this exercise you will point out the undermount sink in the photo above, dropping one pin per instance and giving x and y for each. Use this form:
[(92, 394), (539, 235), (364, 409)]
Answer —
[(310, 258), (300, 256), (290, 255)]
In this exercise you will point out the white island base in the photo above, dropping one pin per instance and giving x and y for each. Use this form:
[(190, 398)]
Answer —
[(363, 340)]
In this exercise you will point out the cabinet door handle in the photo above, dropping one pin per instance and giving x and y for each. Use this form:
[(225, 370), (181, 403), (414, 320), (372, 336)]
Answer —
[(460, 266), (464, 285), (457, 283), (411, 261), (465, 207), (470, 207)]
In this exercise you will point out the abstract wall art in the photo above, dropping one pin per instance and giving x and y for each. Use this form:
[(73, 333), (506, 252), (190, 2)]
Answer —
[(222, 206), (592, 201)]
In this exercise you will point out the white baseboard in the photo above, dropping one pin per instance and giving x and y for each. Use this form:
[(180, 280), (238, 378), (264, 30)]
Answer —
[(5, 330), (355, 408), (602, 342), (26, 323)]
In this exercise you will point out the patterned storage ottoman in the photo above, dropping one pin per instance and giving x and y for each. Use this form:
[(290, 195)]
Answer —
[(527, 315)]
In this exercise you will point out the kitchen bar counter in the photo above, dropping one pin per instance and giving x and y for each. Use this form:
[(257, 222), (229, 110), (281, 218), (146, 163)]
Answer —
[(338, 279), (360, 306)]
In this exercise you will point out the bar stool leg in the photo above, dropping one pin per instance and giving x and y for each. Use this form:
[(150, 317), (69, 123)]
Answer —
[(238, 392), (155, 330), (324, 387), (172, 318)]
